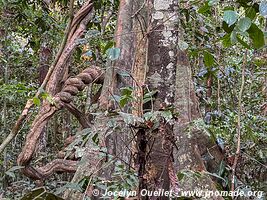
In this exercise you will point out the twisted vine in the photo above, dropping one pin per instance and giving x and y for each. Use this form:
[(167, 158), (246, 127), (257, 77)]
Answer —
[(62, 99)]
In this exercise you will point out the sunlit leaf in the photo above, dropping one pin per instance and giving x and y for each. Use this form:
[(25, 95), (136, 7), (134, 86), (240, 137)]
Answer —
[(113, 53), (263, 8), (230, 17), (244, 24), (36, 101)]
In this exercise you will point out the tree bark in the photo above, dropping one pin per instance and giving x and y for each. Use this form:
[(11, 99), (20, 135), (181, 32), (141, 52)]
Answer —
[(191, 142)]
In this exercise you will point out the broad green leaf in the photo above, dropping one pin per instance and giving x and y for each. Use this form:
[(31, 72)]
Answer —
[(226, 28), (244, 24), (123, 101), (256, 35), (263, 9), (130, 119), (148, 115), (113, 53), (251, 13), (230, 17), (109, 45), (208, 59), (127, 91)]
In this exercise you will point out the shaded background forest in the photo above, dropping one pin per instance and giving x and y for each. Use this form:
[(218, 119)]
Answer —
[(225, 42)]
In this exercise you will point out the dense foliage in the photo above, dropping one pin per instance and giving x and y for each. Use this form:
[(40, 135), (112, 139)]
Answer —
[(226, 41)]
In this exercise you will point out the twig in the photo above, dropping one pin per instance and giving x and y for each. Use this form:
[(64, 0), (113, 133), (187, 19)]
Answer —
[(237, 154)]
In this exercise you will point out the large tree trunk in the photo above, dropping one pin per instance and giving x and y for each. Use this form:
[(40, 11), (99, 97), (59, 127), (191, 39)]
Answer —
[(155, 63), (191, 142), (147, 34)]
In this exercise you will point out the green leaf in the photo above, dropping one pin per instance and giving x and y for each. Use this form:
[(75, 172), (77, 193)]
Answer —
[(180, 175), (113, 53), (251, 13), (221, 168), (11, 174), (123, 101), (126, 91), (204, 9), (36, 101), (226, 28), (208, 59), (256, 35), (230, 17), (95, 139), (244, 24), (263, 9), (109, 45)]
